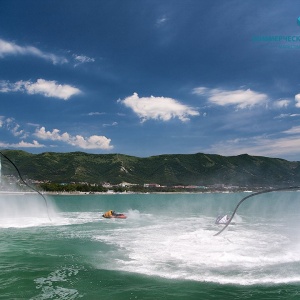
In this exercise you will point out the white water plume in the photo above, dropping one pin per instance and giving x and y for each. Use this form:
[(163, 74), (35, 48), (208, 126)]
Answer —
[(23, 210)]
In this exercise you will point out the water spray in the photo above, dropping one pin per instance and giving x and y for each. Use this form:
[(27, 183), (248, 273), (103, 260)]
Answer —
[(32, 188), (252, 195)]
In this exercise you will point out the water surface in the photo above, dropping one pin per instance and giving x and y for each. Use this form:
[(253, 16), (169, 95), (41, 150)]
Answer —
[(165, 249)]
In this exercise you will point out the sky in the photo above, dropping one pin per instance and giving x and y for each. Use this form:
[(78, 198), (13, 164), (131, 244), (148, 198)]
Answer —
[(151, 77)]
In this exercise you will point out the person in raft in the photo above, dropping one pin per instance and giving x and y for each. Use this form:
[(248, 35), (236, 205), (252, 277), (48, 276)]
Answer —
[(109, 214)]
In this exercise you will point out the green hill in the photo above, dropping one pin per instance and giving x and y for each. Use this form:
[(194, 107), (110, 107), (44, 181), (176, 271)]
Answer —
[(173, 169)]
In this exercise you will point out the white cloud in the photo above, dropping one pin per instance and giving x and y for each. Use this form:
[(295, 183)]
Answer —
[(200, 90), (81, 59), (293, 130), (13, 127), (281, 103), (23, 144), (239, 98), (158, 108), (281, 116), (51, 89), (96, 113), (92, 142), (16, 131), (32, 124), (34, 144), (9, 48), (41, 86), (111, 124), (287, 146), (161, 21), (297, 98)]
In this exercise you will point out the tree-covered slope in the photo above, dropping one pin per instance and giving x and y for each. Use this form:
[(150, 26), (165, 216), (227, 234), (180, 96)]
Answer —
[(173, 169)]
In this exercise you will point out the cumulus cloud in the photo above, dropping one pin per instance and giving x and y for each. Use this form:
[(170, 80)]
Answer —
[(238, 98), (9, 48), (92, 142), (41, 86), (158, 108)]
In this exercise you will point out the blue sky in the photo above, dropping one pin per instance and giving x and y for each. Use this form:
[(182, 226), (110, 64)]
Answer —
[(150, 77)]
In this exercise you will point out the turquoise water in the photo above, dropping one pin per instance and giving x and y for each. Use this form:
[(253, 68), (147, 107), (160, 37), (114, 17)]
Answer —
[(165, 249)]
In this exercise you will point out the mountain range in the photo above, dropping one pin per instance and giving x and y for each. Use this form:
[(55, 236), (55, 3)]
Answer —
[(172, 169)]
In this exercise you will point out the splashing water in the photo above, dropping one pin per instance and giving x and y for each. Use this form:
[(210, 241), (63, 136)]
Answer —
[(167, 240), (23, 210)]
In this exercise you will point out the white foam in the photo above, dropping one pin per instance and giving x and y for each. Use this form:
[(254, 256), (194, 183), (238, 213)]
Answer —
[(57, 219), (133, 214), (185, 248), (50, 286)]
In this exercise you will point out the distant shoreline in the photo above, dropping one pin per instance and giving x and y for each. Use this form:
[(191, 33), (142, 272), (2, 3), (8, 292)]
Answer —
[(128, 193), (116, 193), (104, 193)]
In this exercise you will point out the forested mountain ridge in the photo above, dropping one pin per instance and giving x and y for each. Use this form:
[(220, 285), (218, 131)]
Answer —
[(172, 169)]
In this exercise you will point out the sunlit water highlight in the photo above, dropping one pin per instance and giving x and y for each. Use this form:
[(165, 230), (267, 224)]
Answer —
[(166, 240)]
